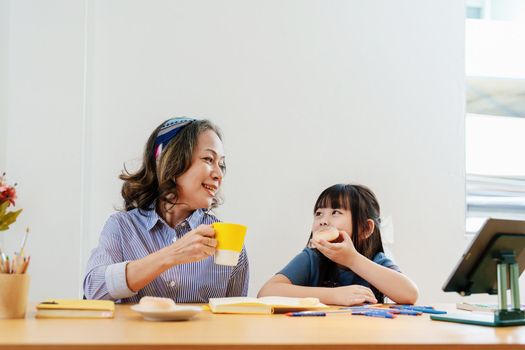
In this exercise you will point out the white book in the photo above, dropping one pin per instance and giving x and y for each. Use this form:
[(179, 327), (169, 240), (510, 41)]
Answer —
[(479, 307)]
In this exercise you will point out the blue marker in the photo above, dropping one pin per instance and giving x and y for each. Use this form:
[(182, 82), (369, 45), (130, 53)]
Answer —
[(424, 309), (379, 314), (406, 312), (305, 313), (374, 313)]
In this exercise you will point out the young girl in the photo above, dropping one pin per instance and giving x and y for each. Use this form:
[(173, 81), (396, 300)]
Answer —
[(353, 268)]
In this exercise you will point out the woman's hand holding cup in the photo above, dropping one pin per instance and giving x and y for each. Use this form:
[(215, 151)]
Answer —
[(196, 245)]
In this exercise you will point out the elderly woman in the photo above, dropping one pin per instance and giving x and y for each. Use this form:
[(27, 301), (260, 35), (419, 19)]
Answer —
[(162, 243)]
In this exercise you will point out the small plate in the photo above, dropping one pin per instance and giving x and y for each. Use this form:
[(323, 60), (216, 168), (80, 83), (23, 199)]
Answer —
[(176, 313)]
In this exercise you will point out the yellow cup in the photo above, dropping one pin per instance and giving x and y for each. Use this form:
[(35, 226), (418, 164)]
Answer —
[(230, 238), (14, 289)]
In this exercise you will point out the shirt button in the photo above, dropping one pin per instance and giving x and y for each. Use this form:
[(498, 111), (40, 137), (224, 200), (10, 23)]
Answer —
[(172, 284), (183, 224)]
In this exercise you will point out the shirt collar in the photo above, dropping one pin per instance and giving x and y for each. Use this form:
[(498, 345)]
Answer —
[(152, 218), (194, 220)]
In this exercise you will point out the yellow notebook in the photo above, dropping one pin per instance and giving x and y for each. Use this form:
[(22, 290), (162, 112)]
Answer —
[(263, 305), (74, 308)]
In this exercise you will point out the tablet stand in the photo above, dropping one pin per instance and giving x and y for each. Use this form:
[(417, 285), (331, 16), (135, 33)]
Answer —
[(507, 269)]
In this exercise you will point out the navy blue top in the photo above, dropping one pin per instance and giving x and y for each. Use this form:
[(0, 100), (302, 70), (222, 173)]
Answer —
[(303, 270)]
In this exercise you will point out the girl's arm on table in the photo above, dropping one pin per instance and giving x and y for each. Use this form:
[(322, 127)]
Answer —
[(280, 285), (393, 284)]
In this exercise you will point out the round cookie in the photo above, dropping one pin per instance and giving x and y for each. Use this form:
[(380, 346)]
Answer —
[(329, 234), (156, 303)]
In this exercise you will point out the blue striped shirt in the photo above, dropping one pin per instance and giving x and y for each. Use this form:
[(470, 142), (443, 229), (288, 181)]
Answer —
[(134, 234)]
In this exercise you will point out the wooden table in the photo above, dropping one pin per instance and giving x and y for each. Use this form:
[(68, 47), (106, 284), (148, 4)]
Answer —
[(129, 331)]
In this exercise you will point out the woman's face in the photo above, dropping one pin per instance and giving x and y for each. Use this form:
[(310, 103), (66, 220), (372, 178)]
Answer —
[(200, 183), (341, 219)]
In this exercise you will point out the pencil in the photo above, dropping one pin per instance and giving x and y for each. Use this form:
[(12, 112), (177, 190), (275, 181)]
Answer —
[(26, 264), (23, 245)]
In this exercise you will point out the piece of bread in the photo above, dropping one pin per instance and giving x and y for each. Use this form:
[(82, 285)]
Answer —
[(328, 233), (156, 303)]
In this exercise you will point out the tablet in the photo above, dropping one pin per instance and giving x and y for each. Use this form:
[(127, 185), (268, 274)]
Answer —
[(476, 272)]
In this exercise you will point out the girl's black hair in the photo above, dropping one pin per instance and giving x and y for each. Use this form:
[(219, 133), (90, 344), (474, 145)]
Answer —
[(363, 205)]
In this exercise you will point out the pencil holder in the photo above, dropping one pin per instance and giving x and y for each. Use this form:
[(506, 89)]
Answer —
[(14, 289)]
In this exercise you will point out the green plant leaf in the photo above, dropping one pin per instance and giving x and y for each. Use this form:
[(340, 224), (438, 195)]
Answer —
[(8, 219), (3, 208)]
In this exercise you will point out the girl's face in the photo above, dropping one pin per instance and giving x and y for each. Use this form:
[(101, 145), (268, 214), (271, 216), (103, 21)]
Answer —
[(341, 219), (200, 183)]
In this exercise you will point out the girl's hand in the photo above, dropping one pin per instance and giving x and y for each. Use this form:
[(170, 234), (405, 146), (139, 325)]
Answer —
[(352, 295), (342, 253), (198, 244)]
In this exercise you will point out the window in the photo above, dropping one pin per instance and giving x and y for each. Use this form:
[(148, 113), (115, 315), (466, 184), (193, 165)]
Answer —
[(495, 168), (495, 101)]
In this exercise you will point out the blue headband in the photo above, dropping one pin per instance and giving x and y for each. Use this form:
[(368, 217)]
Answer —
[(169, 129)]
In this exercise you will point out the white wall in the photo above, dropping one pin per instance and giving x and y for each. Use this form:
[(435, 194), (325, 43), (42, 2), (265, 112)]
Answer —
[(46, 60), (4, 30), (4, 36), (307, 93)]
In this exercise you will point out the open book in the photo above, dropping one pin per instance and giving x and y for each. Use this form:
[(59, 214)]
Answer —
[(73, 308), (263, 305)]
